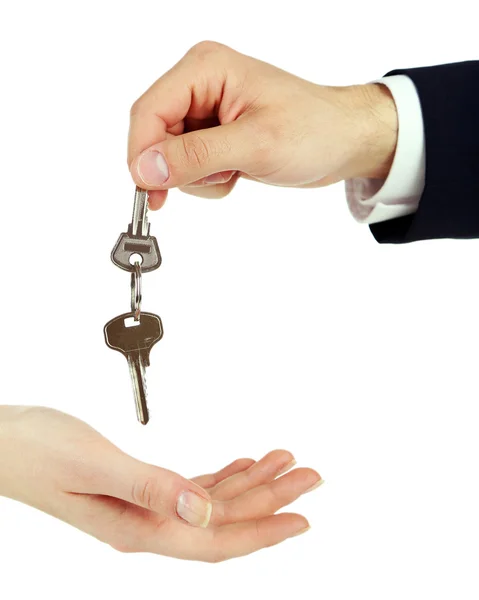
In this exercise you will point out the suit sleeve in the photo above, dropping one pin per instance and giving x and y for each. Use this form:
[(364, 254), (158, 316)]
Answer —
[(449, 205)]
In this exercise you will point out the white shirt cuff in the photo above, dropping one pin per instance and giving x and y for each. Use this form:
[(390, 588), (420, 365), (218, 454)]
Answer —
[(374, 200)]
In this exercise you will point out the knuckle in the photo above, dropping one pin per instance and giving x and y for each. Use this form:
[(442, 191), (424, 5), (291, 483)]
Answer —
[(145, 492), (194, 151), (205, 48), (136, 107)]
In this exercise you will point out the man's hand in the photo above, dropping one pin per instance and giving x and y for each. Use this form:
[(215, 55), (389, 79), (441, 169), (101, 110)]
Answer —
[(218, 115), (60, 465)]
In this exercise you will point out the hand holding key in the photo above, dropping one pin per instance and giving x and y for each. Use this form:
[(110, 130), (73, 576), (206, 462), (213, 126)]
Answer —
[(60, 465), (218, 115)]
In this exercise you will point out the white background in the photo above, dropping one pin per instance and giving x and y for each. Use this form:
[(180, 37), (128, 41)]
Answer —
[(286, 324)]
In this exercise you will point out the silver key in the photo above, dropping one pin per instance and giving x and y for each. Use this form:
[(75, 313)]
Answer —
[(137, 240), (135, 342)]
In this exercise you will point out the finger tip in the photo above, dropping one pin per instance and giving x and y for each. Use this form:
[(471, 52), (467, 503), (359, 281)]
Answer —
[(287, 467), (295, 523), (281, 452), (302, 523), (316, 483), (157, 199), (285, 456), (301, 531), (312, 472)]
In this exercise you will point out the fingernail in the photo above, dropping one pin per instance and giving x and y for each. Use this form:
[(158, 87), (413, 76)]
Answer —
[(194, 509), (287, 467), (152, 168), (315, 486), (304, 530)]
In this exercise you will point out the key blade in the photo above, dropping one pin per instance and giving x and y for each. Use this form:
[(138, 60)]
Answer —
[(138, 380), (139, 221)]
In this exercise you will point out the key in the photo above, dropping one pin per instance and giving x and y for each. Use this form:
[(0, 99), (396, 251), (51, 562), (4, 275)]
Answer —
[(135, 342), (137, 239)]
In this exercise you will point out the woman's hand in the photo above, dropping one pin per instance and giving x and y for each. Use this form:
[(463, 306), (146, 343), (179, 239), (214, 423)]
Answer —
[(218, 115), (60, 465)]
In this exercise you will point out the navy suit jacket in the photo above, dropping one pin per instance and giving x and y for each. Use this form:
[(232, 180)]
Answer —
[(449, 205)]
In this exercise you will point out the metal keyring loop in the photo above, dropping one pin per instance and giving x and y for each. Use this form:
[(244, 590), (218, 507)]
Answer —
[(135, 285)]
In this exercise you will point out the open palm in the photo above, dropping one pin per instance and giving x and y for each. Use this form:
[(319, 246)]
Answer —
[(64, 467)]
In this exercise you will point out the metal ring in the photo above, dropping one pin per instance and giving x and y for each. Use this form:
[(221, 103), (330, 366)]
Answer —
[(135, 286)]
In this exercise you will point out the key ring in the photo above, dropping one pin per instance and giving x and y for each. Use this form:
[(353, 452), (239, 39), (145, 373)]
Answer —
[(135, 285)]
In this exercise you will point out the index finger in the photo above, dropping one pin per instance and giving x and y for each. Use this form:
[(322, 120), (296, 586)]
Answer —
[(212, 479), (192, 87), (159, 109)]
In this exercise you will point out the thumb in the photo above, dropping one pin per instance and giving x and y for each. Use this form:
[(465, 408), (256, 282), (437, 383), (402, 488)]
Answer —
[(156, 489), (183, 159)]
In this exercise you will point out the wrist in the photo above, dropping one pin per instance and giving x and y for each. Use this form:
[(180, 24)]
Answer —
[(377, 121)]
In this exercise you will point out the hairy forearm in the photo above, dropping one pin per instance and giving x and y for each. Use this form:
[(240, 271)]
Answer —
[(364, 132), (384, 130), (371, 111)]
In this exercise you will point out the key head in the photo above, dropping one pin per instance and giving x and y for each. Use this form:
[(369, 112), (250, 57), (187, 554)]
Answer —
[(145, 246), (139, 337)]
